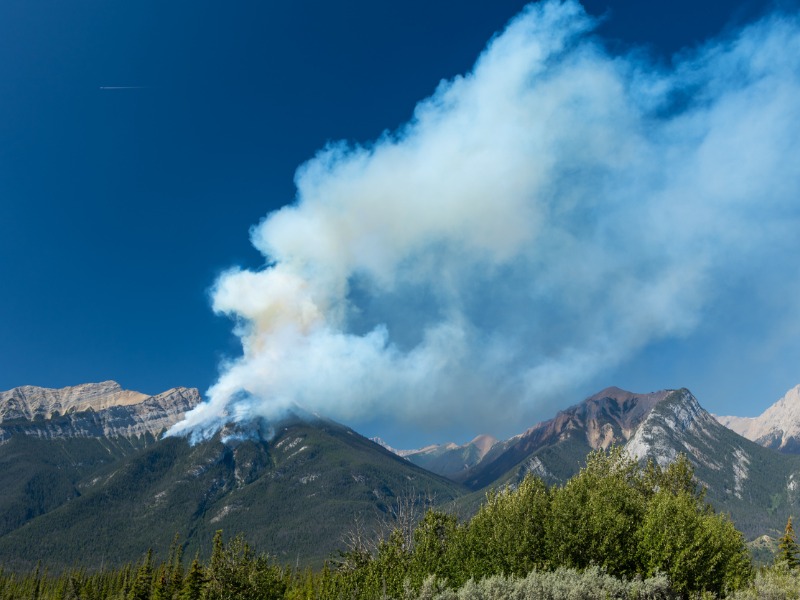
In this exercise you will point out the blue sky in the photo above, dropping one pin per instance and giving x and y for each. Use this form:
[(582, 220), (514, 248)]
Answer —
[(119, 209)]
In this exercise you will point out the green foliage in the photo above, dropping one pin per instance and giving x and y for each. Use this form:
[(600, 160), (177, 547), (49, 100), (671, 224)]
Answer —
[(629, 521), (596, 515), (697, 549), (435, 544), (787, 547), (192, 588), (236, 573), (144, 580), (296, 494), (507, 536), (615, 530)]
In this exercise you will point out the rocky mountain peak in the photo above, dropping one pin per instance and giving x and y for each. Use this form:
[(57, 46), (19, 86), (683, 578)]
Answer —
[(665, 431), (31, 402), (483, 443), (777, 427), (609, 417), (91, 410), (758, 486)]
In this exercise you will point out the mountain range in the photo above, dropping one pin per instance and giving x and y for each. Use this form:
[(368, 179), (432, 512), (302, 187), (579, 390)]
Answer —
[(85, 473)]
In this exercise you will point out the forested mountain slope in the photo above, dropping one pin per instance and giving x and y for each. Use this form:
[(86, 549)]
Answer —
[(85, 478), (296, 494), (759, 487), (53, 442)]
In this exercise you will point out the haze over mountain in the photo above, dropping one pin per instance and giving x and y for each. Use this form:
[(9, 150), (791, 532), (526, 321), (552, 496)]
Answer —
[(777, 427), (450, 459)]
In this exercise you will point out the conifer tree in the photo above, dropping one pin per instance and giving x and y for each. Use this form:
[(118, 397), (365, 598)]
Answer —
[(144, 579), (162, 589), (193, 582), (788, 549), (176, 582), (37, 582)]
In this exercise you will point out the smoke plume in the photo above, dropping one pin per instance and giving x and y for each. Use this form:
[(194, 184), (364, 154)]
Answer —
[(539, 220)]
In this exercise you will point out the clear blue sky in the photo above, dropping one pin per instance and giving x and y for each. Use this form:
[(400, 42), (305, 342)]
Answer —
[(120, 207)]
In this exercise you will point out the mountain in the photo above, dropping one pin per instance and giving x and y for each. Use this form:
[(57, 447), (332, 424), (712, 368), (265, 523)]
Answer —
[(555, 448), (757, 486), (777, 427), (296, 488), (98, 410), (85, 475), (450, 460), (53, 440)]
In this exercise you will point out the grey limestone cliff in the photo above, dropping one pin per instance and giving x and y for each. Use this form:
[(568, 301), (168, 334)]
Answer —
[(91, 410)]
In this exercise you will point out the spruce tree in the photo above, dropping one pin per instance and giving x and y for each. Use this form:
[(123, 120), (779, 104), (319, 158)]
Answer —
[(787, 547), (193, 582), (144, 580)]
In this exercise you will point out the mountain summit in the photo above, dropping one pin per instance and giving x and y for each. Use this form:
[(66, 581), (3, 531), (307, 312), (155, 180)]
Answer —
[(778, 427), (92, 410), (611, 416), (84, 475)]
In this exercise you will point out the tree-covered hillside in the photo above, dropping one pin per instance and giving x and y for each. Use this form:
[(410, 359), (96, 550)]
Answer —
[(616, 529), (296, 491)]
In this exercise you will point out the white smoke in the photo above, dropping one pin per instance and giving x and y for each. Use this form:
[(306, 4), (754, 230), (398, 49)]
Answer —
[(540, 220)]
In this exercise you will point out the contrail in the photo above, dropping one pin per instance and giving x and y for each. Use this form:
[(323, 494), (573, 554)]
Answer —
[(123, 87)]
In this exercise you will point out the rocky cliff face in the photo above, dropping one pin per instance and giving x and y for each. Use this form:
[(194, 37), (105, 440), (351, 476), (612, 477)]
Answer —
[(777, 427), (758, 487), (611, 416), (91, 410), (680, 425)]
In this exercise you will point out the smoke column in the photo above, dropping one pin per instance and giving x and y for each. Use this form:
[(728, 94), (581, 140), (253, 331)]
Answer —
[(541, 219)]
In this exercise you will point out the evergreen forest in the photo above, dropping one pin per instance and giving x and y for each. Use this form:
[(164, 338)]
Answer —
[(617, 529)]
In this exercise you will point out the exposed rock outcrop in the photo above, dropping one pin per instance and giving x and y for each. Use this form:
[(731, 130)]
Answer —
[(777, 427), (92, 410)]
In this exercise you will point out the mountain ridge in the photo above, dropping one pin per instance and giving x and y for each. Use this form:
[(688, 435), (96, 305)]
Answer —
[(72, 489), (778, 427), (607, 417), (97, 410), (298, 485)]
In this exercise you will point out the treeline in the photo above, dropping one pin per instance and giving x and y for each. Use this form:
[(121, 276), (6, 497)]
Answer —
[(617, 529), (631, 521)]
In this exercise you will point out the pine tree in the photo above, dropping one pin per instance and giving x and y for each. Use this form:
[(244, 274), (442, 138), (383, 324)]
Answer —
[(177, 566), (788, 549), (162, 589), (144, 580), (193, 582)]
